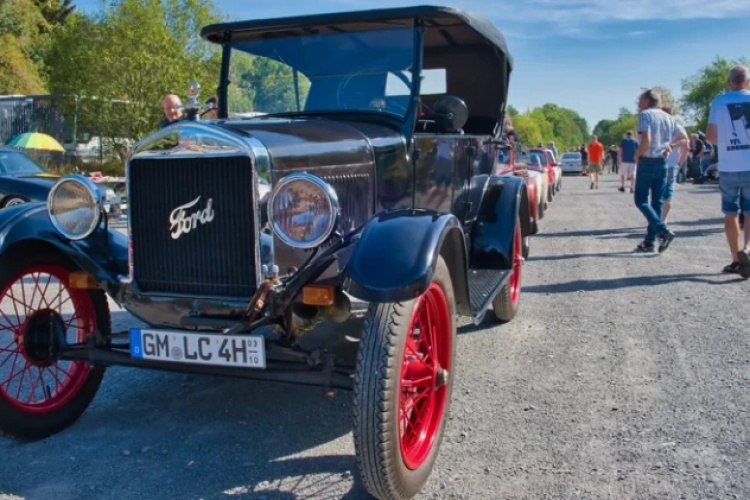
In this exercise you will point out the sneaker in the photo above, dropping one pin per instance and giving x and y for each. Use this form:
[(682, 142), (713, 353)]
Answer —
[(733, 268), (743, 258), (631, 191), (665, 240), (645, 247), (621, 189), (592, 186)]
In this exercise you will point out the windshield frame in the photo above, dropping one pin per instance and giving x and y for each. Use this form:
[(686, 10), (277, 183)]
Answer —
[(411, 101), (24, 158)]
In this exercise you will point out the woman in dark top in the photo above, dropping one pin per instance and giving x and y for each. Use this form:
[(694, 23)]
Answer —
[(584, 160), (613, 158)]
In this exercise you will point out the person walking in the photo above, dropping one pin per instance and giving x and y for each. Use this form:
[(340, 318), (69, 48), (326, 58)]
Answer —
[(628, 146), (595, 151), (726, 129), (613, 157), (584, 159), (677, 158), (657, 130)]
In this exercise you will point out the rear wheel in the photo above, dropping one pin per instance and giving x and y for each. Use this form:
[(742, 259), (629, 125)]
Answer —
[(39, 313), (402, 389), (508, 299)]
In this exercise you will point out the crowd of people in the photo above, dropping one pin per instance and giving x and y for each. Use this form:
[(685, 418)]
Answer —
[(666, 155)]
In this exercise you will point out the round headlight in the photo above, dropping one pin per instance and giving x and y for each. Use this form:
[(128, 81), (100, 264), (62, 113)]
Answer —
[(303, 210), (75, 207)]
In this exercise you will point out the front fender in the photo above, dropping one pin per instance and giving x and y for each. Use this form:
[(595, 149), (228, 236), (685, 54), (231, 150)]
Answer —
[(395, 257), (505, 202), (103, 255)]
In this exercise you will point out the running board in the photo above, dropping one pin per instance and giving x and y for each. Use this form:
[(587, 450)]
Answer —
[(484, 285)]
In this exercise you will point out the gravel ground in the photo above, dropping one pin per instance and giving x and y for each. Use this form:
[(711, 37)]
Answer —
[(624, 376)]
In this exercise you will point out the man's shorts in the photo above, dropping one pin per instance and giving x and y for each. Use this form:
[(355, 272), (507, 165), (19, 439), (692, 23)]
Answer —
[(628, 170), (733, 185), (595, 168), (669, 186)]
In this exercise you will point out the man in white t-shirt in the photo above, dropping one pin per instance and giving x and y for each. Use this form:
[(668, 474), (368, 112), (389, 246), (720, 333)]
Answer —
[(729, 129)]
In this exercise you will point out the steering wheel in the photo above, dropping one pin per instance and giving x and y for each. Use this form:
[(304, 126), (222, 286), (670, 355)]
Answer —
[(344, 96)]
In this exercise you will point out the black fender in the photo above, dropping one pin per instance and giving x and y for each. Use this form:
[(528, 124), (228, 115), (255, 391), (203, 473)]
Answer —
[(103, 255), (505, 202), (396, 254)]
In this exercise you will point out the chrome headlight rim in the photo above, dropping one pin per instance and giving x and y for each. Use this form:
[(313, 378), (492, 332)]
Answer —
[(95, 194), (333, 202)]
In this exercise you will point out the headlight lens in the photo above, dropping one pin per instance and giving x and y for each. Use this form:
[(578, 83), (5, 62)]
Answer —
[(75, 207), (303, 210)]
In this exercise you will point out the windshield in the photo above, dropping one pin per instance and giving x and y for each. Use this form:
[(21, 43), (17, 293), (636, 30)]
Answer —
[(571, 156), (357, 71), (541, 156), (12, 162)]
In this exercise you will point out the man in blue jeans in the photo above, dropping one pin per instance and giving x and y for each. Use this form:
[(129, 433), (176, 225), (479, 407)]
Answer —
[(729, 129), (657, 130)]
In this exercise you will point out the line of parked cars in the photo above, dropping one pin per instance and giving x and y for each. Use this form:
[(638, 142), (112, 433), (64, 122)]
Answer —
[(542, 172)]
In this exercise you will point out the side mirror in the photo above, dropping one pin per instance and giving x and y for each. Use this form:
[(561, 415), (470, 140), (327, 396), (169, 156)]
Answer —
[(451, 113)]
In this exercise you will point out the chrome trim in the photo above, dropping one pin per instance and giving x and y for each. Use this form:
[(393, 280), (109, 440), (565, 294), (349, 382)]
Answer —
[(207, 142), (261, 169), (95, 194), (332, 199)]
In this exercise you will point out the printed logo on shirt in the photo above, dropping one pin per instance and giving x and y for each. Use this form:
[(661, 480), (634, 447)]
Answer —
[(739, 114)]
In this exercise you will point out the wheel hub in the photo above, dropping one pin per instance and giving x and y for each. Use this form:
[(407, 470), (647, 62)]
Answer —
[(43, 337), (442, 377)]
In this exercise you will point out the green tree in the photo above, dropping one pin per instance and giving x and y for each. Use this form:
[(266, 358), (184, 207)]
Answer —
[(21, 25), (54, 12), (123, 61), (527, 129), (702, 87)]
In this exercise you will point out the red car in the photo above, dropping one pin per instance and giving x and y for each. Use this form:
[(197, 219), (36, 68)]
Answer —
[(506, 165), (549, 163)]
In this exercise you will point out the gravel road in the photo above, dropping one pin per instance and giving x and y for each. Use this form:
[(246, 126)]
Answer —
[(624, 376)]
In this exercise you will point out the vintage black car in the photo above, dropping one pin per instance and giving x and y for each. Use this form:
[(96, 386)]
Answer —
[(360, 166)]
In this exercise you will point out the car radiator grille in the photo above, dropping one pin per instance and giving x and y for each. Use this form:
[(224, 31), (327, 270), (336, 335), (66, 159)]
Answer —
[(216, 257), (355, 198)]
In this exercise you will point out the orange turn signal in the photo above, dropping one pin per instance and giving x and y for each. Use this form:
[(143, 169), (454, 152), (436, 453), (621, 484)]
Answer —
[(318, 295), (81, 280)]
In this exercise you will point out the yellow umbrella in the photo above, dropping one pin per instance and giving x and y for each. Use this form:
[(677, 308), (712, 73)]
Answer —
[(36, 140)]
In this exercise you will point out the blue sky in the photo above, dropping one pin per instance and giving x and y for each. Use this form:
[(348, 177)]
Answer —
[(592, 56)]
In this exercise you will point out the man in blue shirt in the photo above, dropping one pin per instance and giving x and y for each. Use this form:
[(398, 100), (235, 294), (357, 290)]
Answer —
[(657, 130), (628, 147)]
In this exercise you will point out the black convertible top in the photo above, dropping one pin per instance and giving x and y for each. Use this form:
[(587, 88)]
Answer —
[(457, 28)]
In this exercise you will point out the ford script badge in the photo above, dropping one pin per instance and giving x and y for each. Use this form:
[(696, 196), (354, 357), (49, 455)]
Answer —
[(181, 222)]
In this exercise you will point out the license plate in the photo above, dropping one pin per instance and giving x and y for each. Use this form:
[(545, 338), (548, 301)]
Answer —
[(248, 351)]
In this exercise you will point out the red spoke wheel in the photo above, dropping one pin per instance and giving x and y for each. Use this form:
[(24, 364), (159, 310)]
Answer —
[(508, 299), (402, 389), (40, 313)]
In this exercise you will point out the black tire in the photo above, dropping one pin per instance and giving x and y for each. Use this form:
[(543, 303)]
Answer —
[(379, 396), (34, 418), (550, 193), (506, 303), (526, 246), (540, 211), (13, 201)]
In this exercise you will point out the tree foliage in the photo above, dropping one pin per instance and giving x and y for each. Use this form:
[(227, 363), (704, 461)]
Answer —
[(22, 28), (121, 63), (549, 123), (702, 87)]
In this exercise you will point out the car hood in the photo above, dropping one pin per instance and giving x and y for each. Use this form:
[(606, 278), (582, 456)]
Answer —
[(41, 179)]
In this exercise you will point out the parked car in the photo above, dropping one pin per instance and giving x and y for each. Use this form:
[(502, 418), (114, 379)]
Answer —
[(22, 180), (381, 189), (548, 163), (540, 175), (571, 162), (506, 164)]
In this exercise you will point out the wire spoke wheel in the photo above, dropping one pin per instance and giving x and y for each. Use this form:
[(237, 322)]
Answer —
[(39, 315), (508, 299), (402, 389)]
